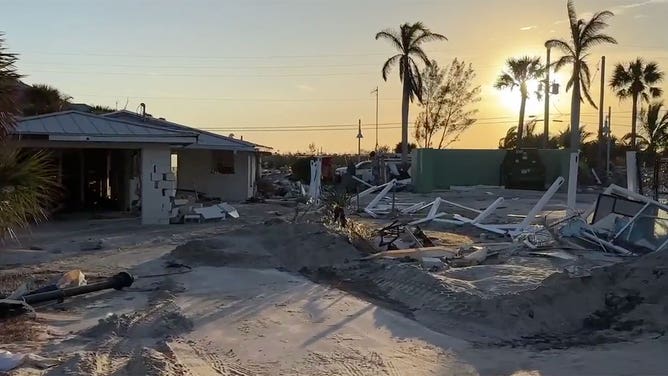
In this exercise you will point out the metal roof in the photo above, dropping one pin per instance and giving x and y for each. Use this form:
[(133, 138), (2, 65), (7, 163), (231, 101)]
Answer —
[(81, 126), (205, 140)]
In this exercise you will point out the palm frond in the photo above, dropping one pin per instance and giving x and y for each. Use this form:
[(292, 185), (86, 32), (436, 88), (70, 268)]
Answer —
[(392, 37), (416, 81), (585, 75), (419, 52), (596, 40), (505, 81), (428, 36), (562, 45), (563, 61), (596, 24), (585, 90), (652, 74), (28, 186), (8, 88), (389, 64)]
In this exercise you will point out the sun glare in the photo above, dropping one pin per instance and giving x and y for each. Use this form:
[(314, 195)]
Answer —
[(511, 100)]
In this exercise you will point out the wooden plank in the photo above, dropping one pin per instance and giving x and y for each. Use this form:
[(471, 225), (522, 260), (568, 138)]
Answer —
[(417, 253)]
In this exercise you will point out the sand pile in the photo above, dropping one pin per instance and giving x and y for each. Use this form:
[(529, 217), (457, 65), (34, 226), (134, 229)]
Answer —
[(628, 297), (519, 301), (280, 245)]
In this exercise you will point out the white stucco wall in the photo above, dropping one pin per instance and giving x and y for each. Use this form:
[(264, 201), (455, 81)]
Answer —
[(194, 173), (155, 198)]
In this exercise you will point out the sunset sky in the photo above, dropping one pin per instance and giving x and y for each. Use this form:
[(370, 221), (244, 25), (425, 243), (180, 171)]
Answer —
[(285, 73)]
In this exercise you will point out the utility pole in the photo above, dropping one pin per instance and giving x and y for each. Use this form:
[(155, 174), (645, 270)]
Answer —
[(609, 136), (546, 116), (359, 141), (376, 91), (600, 110)]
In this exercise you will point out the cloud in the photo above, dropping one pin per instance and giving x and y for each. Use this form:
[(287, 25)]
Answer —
[(527, 28), (305, 87), (621, 8)]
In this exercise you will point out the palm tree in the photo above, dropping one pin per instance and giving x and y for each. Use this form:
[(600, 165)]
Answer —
[(43, 99), (653, 129), (635, 81), (584, 36), (408, 42), (27, 178), (530, 139), (564, 138), (520, 72)]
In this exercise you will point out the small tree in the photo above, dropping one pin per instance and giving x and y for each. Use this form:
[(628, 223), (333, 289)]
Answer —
[(398, 148), (447, 96)]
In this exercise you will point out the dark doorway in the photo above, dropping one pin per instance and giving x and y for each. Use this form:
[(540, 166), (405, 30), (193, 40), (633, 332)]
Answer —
[(96, 179)]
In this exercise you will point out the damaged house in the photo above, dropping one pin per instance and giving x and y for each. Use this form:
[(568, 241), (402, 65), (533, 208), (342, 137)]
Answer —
[(122, 161)]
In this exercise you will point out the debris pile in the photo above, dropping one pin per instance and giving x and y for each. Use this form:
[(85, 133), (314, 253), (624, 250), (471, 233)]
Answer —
[(568, 278), (193, 210)]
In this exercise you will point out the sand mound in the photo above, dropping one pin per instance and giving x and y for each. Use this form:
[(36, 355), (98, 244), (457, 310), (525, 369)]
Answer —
[(281, 245), (519, 302), (627, 297), (161, 321)]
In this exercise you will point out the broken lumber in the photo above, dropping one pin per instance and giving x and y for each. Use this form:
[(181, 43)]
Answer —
[(416, 253), (472, 259)]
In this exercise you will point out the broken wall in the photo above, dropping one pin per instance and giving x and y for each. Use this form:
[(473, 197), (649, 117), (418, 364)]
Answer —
[(196, 172), (434, 169), (156, 185)]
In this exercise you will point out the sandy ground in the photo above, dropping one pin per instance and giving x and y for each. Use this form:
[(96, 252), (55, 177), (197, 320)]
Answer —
[(245, 309)]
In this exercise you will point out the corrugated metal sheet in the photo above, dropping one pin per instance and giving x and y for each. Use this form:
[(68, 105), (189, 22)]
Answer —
[(73, 123), (206, 140)]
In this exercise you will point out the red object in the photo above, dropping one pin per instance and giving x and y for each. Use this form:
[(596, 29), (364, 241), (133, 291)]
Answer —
[(327, 169)]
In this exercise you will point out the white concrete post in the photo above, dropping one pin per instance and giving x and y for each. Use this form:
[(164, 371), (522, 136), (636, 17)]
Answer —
[(573, 182), (155, 190), (632, 171)]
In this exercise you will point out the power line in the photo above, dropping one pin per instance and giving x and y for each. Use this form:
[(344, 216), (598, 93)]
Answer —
[(160, 75), (202, 57), (47, 64)]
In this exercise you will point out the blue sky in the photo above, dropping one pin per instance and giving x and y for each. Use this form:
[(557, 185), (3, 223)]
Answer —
[(259, 67)]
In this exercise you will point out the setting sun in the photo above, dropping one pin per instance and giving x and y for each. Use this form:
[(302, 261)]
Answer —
[(510, 100)]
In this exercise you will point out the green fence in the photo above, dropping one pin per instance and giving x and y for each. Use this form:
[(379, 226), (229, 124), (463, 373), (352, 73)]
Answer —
[(434, 169)]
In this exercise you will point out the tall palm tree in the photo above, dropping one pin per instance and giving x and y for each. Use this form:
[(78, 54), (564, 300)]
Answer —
[(584, 36), (27, 178), (636, 81), (408, 42), (520, 72)]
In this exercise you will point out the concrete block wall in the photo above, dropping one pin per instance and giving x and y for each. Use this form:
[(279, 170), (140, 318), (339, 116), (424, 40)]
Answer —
[(155, 190)]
